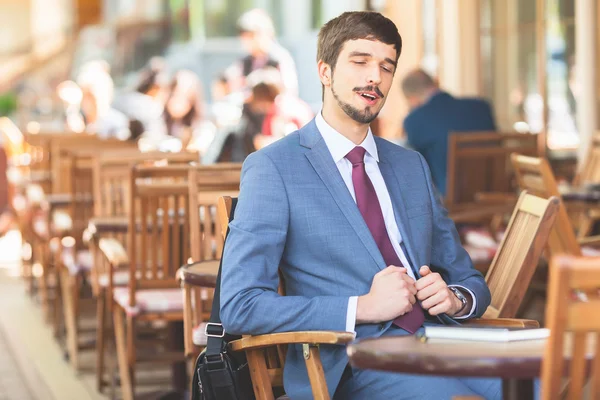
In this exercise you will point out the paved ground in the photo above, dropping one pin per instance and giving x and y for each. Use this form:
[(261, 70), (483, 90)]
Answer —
[(12, 383), (32, 362)]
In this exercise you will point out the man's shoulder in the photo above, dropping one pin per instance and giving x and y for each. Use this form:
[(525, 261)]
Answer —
[(395, 153)]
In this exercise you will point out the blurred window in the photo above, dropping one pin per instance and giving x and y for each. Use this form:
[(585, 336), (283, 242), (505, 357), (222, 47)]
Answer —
[(220, 16), (430, 59), (509, 55)]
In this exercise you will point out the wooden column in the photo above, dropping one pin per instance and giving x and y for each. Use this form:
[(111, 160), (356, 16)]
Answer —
[(585, 36), (407, 15), (460, 48)]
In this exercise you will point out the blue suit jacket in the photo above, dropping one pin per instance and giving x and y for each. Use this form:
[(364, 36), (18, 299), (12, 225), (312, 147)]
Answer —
[(428, 126), (294, 212)]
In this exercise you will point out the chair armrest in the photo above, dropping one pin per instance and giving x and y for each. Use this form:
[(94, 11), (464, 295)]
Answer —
[(504, 322), (589, 241), (114, 252), (273, 339)]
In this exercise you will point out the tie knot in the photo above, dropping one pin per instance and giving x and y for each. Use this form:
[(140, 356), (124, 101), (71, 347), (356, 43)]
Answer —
[(356, 155)]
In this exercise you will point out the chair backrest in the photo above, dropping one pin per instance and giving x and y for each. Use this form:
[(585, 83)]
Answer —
[(535, 175), (111, 176), (590, 171), (274, 356), (61, 148), (573, 315), (478, 162), (158, 228), (206, 185), (517, 257)]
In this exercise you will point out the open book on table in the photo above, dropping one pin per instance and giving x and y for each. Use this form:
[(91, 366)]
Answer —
[(484, 333)]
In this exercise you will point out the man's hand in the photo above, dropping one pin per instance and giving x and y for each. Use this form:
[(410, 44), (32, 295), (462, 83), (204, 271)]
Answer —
[(392, 294), (434, 294)]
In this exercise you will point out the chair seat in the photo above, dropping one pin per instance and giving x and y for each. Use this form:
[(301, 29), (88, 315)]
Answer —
[(150, 300), (82, 262), (199, 335), (120, 278)]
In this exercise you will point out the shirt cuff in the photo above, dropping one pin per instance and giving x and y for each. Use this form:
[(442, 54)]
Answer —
[(351, 314), (470, 313)]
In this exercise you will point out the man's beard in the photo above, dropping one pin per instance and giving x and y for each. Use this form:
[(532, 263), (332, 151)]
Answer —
[(364, 117)]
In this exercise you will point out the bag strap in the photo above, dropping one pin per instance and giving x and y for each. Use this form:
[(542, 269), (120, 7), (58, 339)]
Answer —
[(216, 338)]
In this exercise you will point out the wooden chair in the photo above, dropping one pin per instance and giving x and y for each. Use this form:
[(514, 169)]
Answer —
[(590, 170), (111, 186), (517, 257), (479, 169), (206, 185), (589, 175), (535, 175), (158, 243), (573, 315), (266, 353)]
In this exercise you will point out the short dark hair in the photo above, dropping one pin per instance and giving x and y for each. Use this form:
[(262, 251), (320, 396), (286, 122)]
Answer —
[(355, 25), (416, 83)]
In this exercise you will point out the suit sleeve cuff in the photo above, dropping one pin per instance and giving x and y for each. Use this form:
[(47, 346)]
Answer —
[(351, 314), (474, 306)]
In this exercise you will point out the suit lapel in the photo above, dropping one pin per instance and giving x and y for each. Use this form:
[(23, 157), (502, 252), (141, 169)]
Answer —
[(394, 181), (321, 160)]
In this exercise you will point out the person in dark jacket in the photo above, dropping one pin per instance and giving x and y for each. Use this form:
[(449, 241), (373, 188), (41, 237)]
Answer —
[(434, 115)]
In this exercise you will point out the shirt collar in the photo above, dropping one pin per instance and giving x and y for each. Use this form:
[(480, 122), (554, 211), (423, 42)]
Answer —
[(339, 145)]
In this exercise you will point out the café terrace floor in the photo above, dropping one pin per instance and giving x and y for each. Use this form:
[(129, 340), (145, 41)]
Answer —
[(32, 362)]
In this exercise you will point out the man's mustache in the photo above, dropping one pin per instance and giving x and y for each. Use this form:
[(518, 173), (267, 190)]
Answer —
[(369, 89)]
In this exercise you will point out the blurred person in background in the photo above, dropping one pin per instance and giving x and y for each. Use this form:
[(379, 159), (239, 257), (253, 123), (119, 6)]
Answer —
[(434, 114), (257, 34), (184, 108), (153, 80), (268, 115), (97, 90)]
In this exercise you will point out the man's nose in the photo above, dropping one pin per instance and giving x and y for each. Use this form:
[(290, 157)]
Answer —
[(374, 77)]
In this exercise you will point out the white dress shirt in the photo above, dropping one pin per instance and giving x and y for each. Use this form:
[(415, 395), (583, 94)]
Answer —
[(339, 146)]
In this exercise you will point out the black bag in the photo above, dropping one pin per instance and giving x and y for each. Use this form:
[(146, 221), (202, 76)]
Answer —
[(220, 374)]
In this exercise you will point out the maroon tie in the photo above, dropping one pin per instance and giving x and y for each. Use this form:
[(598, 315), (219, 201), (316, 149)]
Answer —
[(368, 204)]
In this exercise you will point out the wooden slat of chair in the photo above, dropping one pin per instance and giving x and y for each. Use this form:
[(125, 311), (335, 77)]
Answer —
[(573, 313), (206, 186), (517, 257)]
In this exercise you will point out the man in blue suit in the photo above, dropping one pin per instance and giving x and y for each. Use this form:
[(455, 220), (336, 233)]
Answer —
[(434, 115), (354, 225)]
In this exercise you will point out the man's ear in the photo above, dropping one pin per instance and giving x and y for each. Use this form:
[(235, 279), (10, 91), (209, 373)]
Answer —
[(324, 73)]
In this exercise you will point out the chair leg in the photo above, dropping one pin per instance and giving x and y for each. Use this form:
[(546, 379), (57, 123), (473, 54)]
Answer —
[(316, 375), (100, 333), (68, 287), (119, 326), (131, 348), (259, 374), (44, 297), (57, 318)]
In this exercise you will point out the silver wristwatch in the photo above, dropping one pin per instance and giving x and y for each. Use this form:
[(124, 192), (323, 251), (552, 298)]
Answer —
[(461, 297)]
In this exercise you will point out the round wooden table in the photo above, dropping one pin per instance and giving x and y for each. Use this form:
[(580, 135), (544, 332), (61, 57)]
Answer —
[(517, 363), (203, 273)]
